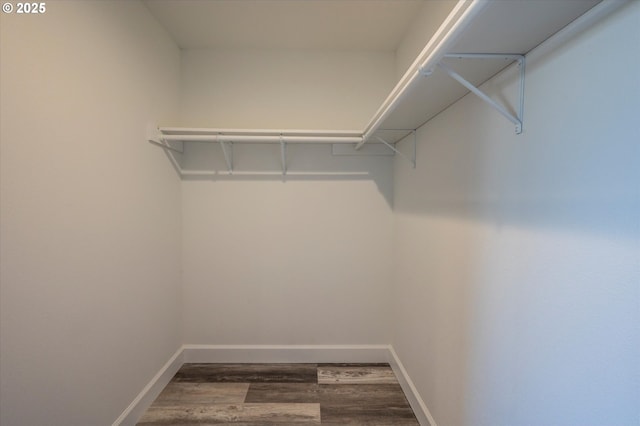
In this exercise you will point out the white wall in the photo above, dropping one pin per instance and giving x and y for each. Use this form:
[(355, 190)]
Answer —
[(305, 260), (90, 296), (284, 88), (299, 260), (517, 257)]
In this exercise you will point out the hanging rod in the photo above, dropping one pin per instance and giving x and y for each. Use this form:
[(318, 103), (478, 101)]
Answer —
[(256, 132)]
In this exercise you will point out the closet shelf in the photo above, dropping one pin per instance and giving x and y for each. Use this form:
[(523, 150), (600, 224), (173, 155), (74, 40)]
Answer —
[(479, 39), (476, 41)]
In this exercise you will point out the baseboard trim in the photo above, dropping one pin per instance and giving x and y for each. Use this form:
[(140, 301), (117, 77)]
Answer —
[(275, 354), (145, 398), (415, 400), (285, 353)]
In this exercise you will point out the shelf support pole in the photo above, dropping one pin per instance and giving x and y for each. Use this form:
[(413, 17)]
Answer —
[(394, 149), (169, 151), (283, 155), (165, 146), (516, 120), (228, 155)]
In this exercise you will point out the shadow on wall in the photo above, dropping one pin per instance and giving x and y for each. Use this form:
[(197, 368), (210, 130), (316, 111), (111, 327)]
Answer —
[(517, 255), (310, 162), (573, 168)]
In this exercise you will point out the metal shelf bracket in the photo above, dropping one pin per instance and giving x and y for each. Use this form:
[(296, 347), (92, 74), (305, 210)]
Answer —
[(283, 155), (228, 155), (520, 59), (156, 137), (412, 160)]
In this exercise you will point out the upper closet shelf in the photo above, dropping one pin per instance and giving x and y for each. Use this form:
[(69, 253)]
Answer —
[(478, 39)]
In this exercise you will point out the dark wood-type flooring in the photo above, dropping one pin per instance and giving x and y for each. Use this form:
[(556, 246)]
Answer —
[(281, 394)]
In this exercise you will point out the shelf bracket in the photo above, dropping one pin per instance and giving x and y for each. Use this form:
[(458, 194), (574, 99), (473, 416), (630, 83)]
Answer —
[(165, 145), (283, 155), (394, 149), (515, 119), (155, 137), (228, 155)]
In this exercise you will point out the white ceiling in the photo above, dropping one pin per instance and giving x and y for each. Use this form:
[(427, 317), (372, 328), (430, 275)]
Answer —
[(286, 24)]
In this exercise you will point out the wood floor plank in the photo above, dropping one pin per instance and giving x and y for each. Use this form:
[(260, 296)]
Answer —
[(247, 373), (362, 394), (186, 393), (356, 374), (365, 404), (368, 414), (283, 392), (234, 413)]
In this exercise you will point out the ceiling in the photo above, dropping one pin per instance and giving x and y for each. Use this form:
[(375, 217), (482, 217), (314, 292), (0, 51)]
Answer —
[(286, 24)]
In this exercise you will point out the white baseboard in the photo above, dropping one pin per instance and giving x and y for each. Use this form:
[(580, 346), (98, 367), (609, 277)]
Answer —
[(417, 404), (275, 354), (286, 353), (145, 398)]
